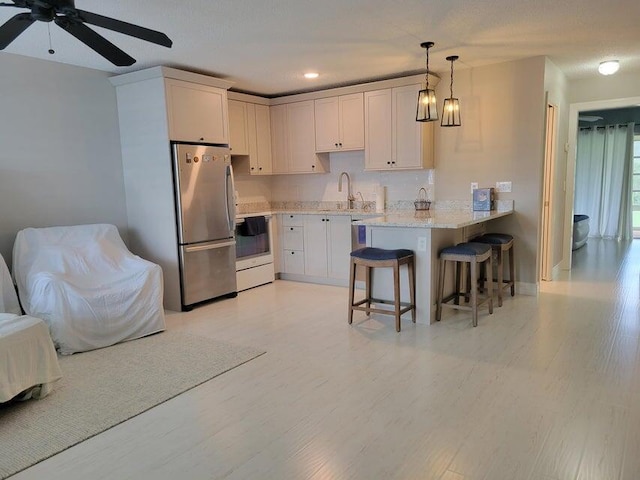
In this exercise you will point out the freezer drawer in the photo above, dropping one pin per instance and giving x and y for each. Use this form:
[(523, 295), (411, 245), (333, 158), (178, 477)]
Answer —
[(208, 270)]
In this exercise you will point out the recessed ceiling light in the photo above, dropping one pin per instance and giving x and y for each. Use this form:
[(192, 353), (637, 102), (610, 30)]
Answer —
[(609, 67), (311, 75)]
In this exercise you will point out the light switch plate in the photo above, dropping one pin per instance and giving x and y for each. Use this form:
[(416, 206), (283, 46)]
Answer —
[(474, 185), (503, 186), (422, 244)]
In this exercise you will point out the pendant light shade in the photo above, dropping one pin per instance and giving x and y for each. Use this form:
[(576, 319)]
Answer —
[(427, 110), (451, 110)]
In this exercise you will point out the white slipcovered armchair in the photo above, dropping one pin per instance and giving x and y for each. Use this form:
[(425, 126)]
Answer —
[(28, 362), (87, 286)]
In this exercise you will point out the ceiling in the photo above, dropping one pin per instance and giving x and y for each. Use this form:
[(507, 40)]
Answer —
[(266, 46)]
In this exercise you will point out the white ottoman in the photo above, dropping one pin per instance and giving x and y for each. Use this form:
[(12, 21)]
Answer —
[(29, 361)]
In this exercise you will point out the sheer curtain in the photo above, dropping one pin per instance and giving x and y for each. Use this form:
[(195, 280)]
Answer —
[(604, 167)]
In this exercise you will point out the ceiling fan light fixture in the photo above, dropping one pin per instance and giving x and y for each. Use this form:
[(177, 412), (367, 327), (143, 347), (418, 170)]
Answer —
[(451, 107), (609, 67), (427, 110)]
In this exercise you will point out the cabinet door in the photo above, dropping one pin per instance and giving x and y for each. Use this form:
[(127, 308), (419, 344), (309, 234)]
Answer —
[(377, 125), (293, 261), (339, 246), (315, 245), (238, 128), (327, 112), (263, 139), (301, 137), (407, 133), (279, 149), (197, 113), (351, 115)]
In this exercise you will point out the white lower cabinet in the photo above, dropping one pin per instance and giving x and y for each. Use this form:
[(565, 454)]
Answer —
[(292, 244), (316, 247), (327, 246)]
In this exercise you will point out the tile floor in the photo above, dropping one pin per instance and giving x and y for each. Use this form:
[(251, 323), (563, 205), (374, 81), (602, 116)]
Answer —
[(546, 388)]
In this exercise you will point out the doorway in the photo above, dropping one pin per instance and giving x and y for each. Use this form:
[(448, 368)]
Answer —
[(574, 111)]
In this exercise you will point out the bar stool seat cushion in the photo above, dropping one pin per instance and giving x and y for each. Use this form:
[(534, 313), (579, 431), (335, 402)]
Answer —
[(494, 238), (371, 253), (469, 248)]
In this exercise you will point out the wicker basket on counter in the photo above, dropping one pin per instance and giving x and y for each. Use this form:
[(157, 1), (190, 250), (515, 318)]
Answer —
[(421, 202)]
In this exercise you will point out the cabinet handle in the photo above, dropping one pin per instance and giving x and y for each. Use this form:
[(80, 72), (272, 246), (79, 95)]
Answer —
[(336, 145), (291, 229), (252, 168), (201, 139), (393, 163), (388, 163), (292, 253), (260, 168), (313, 166), (340, 144)]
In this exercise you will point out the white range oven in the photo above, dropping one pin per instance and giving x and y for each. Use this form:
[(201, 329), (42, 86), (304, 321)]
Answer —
[(254, 253)]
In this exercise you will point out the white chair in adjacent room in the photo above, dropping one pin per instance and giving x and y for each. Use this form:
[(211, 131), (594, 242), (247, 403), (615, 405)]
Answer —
[(87, 286)]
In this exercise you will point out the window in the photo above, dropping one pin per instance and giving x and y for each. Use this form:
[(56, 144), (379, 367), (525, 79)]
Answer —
[(635, 201)]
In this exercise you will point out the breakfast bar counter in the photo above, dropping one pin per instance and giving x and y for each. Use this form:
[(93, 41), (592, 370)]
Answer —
[(426, 233)]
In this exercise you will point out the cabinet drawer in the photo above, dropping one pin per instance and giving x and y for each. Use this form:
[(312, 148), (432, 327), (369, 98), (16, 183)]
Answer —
[(289, 220), (293, 238), (294, 262)]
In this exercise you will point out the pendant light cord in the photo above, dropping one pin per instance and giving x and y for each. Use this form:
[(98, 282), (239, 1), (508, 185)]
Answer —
[(427, 74), (451, 84)]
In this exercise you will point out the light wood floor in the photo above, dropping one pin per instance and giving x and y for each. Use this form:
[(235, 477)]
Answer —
[(546, 388)]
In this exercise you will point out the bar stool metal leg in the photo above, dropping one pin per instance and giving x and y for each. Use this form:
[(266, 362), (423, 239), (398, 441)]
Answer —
[(512, 271)]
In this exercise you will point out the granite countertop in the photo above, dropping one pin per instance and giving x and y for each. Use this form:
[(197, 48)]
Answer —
[(434, 218), (453, 214)]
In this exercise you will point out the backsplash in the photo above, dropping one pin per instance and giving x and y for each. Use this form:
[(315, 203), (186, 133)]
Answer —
[(402, 187)]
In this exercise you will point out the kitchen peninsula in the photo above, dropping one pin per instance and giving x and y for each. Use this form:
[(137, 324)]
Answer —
[(426, 233)]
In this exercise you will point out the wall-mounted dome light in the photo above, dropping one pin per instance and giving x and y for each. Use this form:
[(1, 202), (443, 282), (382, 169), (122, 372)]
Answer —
[(609, 67)]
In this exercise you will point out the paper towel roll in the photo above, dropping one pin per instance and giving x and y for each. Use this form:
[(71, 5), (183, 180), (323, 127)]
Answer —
[(380, 198)]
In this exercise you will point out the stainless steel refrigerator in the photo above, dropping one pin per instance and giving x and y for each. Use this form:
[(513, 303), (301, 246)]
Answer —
[(205, 207)]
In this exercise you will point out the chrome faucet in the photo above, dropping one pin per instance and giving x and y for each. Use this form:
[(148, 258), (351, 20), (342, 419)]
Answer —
[(350, 197)]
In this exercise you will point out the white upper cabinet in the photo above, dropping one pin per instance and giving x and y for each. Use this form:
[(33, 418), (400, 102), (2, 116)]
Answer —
[(238, 128), (250, 130), (339, 123), (393, 138), (279, 147), (378, 137), (293, 139), (196, 113), (259, 139)]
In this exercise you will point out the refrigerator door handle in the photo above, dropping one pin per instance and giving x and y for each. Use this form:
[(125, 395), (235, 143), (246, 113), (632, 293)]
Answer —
[(208, 246), (231, 217)]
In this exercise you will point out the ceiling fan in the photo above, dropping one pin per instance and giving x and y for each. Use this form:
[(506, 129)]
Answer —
[(68, 17)]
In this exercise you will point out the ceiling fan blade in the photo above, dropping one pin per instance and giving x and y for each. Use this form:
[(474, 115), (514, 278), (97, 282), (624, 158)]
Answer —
[(130, 29), (14, 27), (95, 41)]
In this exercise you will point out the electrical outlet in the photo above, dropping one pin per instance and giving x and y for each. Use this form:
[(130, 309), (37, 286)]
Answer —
[(474, 185), (503, 186), (422, 244)]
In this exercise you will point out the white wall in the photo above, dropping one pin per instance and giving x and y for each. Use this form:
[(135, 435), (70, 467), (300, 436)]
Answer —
[(60, 161), (599, 87), (501, 139)]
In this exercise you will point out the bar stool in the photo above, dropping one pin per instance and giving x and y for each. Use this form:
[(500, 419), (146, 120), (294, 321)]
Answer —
[(369, 258), (501, 243), (473, 255)]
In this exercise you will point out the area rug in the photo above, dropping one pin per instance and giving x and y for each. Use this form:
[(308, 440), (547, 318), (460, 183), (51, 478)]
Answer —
[(105, 387)]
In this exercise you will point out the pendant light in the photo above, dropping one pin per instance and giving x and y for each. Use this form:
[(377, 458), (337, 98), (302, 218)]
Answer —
[(451, 110), (427, 110)]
